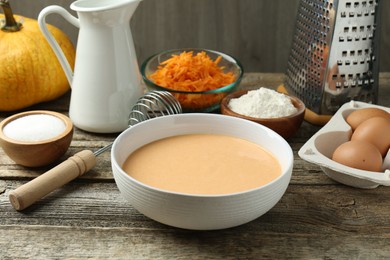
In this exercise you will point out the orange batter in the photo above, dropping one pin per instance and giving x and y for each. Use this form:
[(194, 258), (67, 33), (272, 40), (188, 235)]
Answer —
[(203, 164)]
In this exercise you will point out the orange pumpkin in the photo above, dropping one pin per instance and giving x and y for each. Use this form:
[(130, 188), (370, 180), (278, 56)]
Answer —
[(30, 72)]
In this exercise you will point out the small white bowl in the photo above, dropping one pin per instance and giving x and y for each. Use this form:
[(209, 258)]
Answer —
[(200, 212), (320, 147)]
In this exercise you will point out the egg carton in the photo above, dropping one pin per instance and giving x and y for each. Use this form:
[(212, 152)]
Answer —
[(320, 147)]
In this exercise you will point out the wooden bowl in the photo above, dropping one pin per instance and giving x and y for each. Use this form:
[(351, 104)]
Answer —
[(41, 152), (285, 126)]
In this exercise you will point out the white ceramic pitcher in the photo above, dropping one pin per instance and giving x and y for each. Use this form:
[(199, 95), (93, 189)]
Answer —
[(106, 81)]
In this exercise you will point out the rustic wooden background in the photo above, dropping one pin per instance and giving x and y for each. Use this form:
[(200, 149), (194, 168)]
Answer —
[(257, 32)]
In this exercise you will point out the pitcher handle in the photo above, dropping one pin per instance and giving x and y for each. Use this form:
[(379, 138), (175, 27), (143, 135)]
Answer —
[(52, 41)]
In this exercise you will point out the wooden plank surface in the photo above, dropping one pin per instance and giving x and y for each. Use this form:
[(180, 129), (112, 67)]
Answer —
[(92, 220), (316, 218)]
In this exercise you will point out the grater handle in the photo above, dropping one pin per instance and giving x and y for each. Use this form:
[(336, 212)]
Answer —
[(73, 167), (315, 118), (310, 116)]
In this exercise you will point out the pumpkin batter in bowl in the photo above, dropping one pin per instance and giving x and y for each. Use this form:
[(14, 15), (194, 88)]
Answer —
[(203, 164), (202, 211)]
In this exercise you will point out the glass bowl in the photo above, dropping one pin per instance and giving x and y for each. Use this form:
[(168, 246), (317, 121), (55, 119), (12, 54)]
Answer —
[(202, 101)]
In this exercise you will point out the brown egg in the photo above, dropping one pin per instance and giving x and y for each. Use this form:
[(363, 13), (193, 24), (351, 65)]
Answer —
[(375, 130), (360, 155), (358, 116)]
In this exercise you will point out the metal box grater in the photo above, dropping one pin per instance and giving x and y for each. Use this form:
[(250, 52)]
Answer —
[(334, 54)]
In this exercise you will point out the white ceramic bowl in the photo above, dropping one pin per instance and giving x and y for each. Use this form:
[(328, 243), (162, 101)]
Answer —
[(320, 147), (200, 212)]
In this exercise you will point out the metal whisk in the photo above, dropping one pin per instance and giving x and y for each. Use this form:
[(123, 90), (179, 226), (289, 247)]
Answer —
[(152, 104)]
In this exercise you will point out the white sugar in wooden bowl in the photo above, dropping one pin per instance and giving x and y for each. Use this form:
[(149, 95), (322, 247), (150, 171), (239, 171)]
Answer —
[(34, 128), (36, 138)]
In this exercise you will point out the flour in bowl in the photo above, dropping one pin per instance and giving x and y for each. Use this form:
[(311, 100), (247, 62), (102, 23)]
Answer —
[(263, 103)]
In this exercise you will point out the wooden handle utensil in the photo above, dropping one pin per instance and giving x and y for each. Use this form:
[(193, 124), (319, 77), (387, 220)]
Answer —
[(73, 167)]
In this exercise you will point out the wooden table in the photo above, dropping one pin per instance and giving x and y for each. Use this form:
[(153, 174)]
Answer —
[(317, 218)]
